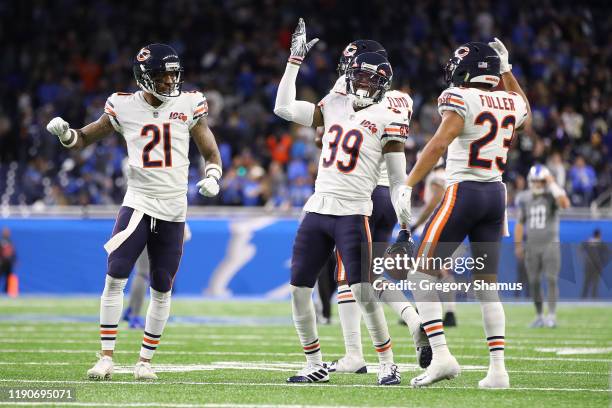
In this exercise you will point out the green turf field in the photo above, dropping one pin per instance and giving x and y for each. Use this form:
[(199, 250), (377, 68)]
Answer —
[(233, 354)]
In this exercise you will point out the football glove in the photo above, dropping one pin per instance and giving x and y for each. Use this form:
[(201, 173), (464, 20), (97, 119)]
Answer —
[(501, 50), (209, 186), (299, 45), (402, 205), (403, 245), (61, 129)]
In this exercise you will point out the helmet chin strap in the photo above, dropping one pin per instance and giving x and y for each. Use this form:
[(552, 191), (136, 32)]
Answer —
[(161, 98)]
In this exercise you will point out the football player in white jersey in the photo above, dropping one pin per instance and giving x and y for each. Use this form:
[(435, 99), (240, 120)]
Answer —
[(478, 127), (382, 222), (360, 133), (156, 124)]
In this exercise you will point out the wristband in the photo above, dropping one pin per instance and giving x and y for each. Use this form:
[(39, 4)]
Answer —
[(72, 140), (213, 170)]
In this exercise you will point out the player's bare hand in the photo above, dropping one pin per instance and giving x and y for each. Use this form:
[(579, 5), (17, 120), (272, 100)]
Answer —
[(209, 186), (502, 51), (299, 44)]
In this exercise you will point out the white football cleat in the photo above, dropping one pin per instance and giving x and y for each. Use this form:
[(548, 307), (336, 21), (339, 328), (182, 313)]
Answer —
[(144, 371), (348, 365), (495, 379), (310, 374), (551, 322), (102, 370), (388, 374), (441, 368)]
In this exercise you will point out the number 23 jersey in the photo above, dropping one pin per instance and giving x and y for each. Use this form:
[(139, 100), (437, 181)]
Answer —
[(353, 141), (480, 152), (157, 140)]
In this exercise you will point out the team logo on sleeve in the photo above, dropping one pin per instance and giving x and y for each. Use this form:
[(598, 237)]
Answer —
[(143, 55)]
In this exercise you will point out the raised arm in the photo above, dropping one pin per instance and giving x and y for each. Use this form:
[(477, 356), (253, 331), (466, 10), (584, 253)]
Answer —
[(207, 145), (286, 106), (509, 81), (80, 138)]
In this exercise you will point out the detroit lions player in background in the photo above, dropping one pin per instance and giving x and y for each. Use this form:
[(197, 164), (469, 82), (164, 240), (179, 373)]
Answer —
[(156, 124), (478, 127), (538, 218), (360, 133)]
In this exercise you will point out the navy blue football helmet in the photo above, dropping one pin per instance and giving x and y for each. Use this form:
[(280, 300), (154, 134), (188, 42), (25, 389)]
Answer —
[(473, 63), (368, 78), (151, 66), (356, 48)]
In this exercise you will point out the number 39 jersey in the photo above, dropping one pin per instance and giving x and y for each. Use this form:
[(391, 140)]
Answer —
[(349, 166), (395, 99), (157, 141), (480, 152)]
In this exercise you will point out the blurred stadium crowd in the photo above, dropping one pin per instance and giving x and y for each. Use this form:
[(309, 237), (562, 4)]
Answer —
[(71, 55)]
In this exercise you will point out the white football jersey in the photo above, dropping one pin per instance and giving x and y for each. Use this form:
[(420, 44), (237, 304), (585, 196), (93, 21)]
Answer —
[(397, 99), (480, 152), (157, 140), (349, 166)]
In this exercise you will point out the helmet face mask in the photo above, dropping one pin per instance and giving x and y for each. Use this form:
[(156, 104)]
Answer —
[(368, 78), (158, 71)]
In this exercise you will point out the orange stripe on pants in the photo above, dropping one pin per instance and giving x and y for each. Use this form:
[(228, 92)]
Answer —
[(428, 245)]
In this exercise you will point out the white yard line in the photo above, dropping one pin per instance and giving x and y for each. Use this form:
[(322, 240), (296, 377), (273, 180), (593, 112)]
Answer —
[(270, 354), (248, 384), (281, 366)]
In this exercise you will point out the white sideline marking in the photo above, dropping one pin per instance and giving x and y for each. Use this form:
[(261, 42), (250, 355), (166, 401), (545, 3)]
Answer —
[(270, 354), (281, 366), (283, 384), (566, 351)]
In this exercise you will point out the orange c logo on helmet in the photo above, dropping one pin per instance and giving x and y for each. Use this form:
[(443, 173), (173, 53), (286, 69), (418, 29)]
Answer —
[(143, 55), (350, 50), (462, 52)]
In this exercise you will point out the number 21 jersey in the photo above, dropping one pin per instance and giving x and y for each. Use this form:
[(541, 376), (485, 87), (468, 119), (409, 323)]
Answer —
[(157, 141)]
